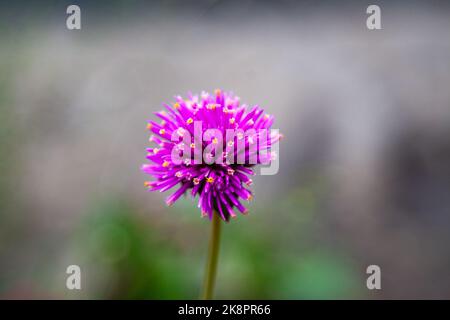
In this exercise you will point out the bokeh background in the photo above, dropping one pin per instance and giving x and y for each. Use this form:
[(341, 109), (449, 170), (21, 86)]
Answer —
[(365, 166)]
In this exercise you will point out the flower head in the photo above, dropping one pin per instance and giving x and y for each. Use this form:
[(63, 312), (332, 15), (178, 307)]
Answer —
[(207, 145)]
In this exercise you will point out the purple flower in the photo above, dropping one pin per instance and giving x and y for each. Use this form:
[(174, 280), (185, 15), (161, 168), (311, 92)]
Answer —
[(207, 145)]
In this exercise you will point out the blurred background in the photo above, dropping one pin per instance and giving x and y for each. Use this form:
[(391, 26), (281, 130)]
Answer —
[(364, 167)]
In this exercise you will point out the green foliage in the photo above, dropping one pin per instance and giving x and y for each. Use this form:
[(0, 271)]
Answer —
[(141, 261), (142, 264)]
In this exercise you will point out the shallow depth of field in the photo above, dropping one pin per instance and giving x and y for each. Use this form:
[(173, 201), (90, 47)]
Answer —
[(364, 169)]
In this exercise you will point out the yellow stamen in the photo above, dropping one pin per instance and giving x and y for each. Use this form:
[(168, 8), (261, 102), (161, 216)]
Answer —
[(165, 164), (178, 174), (155, 150), (149, 126), (147, 184), (176, 105), (192, 145), (210, 179), (232, 120), (215, 141), (266, 116), (162, 131), (217, 92), (230, 143), (189, 121)]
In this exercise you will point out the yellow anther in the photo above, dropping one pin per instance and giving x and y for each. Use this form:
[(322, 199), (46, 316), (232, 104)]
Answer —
[(149, 126), (192, 145), (147, 184), (189, 121), (155, 150), (266, 116), (210, 179), (230, 143), (232, 120), (179, 174), (162, 131), (176, 105), (215, 141), (211, 106), (165, 164), (217, 92), (250, 197), (240, 135)]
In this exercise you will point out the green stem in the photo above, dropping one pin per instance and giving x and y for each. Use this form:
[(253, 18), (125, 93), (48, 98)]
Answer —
[(213, 254)]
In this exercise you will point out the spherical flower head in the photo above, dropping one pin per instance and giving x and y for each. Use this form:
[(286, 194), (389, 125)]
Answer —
[(207, 146)]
